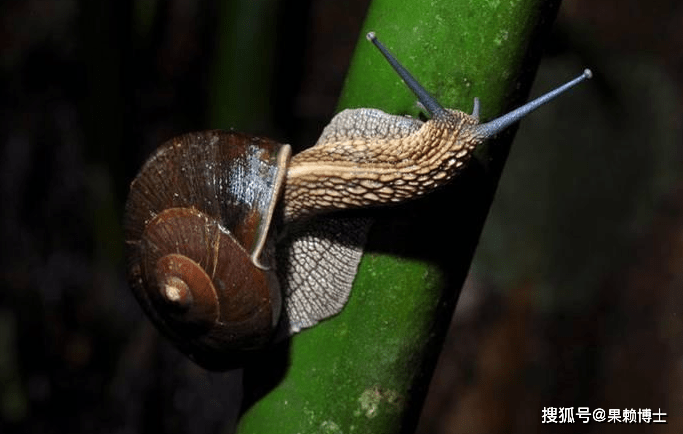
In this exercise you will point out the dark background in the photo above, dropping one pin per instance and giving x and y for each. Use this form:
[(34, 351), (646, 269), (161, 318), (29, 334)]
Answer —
[(574, 297)]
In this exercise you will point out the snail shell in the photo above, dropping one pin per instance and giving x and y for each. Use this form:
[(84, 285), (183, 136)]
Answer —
[(201, 262)]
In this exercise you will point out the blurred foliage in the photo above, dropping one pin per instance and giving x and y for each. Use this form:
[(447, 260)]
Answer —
[(607, 191)]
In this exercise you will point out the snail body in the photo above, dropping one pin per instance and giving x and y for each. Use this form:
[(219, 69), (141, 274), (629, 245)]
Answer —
[(232, 243)]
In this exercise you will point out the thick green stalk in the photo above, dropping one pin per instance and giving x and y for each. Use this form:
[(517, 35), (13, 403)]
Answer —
[(367, 370)]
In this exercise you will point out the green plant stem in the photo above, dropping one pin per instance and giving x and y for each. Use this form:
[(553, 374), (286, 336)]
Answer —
[(367, 369)]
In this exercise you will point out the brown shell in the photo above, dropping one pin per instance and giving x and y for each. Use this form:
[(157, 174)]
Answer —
[(197, 230)]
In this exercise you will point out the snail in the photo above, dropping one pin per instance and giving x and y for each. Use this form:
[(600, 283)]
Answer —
[(232, 243)]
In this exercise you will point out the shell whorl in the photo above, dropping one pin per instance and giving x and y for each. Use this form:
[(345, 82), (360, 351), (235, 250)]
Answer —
[(200, 254), (366, 157)]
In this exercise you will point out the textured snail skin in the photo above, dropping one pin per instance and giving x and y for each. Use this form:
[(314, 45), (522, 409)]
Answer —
[(366, 157), (363, 158)]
